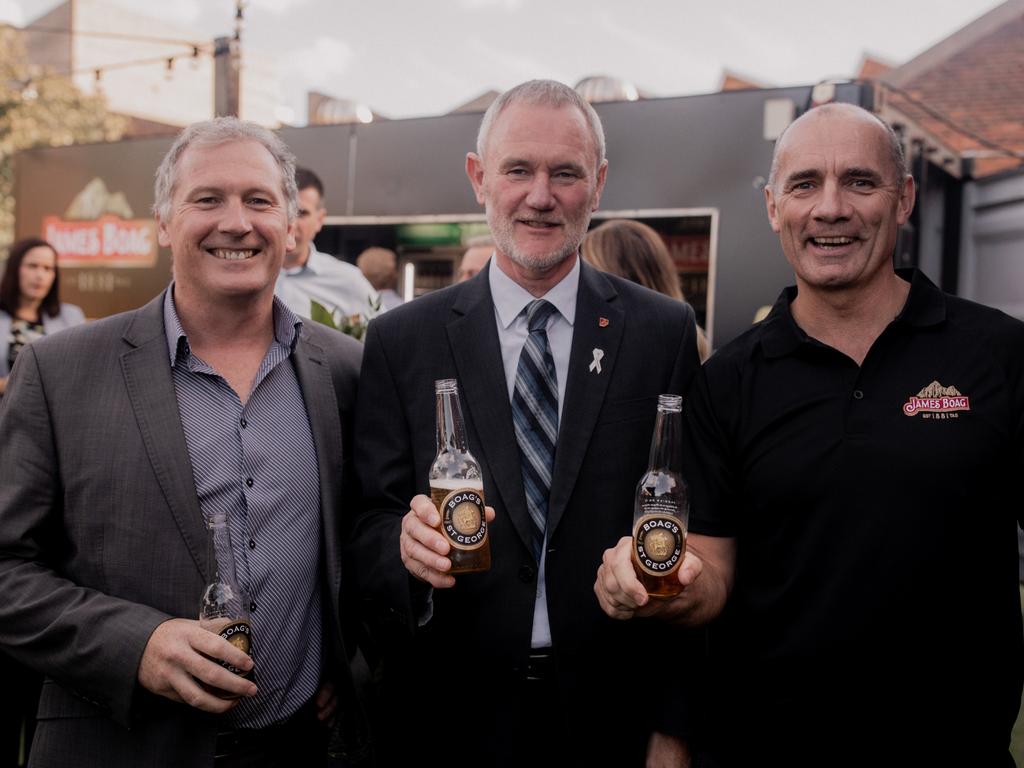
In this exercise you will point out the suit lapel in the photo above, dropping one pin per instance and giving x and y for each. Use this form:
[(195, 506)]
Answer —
[(473, 337), (585, 388), (322, 409), (147, 374)]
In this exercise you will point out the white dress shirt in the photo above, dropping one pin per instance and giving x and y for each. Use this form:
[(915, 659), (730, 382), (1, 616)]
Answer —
[(510, 299), (332, 282)]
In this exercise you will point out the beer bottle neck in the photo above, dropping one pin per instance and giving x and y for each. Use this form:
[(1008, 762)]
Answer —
[(451, 433), (666, 445)]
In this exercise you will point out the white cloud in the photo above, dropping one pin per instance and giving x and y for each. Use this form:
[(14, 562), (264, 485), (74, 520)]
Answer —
[(10, 12), (507, 5), (318, 66), (184, 13), (278, 7)]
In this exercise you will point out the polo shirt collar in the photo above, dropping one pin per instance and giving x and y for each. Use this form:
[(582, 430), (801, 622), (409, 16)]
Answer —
[(926, 305)]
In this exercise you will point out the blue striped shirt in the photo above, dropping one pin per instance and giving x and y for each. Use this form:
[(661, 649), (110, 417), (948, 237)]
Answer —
[(257, 464)]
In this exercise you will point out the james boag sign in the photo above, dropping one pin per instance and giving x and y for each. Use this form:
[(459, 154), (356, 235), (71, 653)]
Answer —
[(109, 241), (99, 230)]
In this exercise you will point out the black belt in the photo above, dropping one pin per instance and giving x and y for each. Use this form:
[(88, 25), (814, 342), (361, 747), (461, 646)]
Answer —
[(301, 728), (540, 666)]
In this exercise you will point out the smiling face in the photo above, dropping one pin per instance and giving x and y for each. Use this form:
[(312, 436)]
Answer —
[(36, 273), (539, 180), (838, 200), (228, 228)]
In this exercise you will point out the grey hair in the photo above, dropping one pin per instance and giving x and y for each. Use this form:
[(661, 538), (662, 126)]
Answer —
[(548, 93), (897, 159), (221, 130)]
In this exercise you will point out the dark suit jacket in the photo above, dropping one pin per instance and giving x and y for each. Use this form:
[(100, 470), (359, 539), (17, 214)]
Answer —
[(471, 654), (102, 538)]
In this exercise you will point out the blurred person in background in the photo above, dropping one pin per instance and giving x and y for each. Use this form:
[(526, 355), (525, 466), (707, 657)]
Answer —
[(30, 305), (380, 267), (475, 257), (30, 308), (308, 275), (636, 252)]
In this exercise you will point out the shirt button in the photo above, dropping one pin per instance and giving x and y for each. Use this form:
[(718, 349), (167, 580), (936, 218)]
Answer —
[(526, 574), (244, 423), (248, 481), (252, 544), (858, 395), (252, 606)]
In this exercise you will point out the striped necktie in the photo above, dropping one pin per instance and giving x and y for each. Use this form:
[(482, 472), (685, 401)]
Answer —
[(535, 416)]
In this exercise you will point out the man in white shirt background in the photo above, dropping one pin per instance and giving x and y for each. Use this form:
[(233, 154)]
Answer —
[(308, 275)]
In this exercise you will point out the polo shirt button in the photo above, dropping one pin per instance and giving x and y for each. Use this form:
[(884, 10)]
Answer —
[(244, 423), (858, 395), (252, 544), (248, 481), (252, 606), (526, 574)]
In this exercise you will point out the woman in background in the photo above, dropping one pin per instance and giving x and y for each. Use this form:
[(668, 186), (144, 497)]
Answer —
[(30, 307), (30, 304), (636, 252)]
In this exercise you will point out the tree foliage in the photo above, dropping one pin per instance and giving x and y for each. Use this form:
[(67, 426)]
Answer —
[(41, 109)]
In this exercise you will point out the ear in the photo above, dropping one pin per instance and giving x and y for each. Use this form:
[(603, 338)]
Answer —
[(908, 195), (475, 172), (773, 214), (602, 173), (289, 244), (162, 235)]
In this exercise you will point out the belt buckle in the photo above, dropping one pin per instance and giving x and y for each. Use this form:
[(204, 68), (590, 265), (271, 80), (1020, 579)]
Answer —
[(538, 665)]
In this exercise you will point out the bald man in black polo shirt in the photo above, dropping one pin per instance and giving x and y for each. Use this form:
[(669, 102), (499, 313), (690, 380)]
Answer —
[(851, 458)]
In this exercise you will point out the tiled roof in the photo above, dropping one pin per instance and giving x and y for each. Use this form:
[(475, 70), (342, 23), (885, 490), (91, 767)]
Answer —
[(969, 92)]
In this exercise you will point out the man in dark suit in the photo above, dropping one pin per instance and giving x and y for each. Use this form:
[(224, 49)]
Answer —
[(514, 666), (118, 440)]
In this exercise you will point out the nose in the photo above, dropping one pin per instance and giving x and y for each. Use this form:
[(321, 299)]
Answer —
[(235, 220), (832, 204), (539, 197)]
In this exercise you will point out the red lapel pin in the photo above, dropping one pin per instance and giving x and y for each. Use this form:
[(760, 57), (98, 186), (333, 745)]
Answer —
[(602, 322)]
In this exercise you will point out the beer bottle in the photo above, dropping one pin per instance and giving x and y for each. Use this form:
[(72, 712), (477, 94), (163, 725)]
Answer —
[(457, 487), (224, 609), (662, 506)]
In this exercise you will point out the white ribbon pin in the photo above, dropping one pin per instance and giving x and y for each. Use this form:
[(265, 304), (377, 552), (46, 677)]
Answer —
[(596, 365)]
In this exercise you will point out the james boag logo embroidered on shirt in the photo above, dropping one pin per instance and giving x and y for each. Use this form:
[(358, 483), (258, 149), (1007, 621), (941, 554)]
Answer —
[(937, 402)]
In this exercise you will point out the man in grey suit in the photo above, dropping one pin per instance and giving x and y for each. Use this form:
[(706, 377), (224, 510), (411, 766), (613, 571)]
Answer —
[(119, 438), (520, 660)]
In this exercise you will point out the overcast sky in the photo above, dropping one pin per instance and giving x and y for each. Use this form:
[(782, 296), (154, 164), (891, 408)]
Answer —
[(406, 58)]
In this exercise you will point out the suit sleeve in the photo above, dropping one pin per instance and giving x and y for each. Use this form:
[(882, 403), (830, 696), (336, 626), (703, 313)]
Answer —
[(88, 642), (383, 460)]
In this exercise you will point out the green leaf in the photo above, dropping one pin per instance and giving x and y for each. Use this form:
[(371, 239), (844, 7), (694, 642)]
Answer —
[(319, 313)]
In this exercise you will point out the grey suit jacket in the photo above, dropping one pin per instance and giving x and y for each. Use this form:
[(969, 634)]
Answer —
[(101, 535), (480, 630)]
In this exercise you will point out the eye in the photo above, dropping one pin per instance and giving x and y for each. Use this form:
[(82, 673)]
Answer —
[(207, 200), (518, 172), (258, 201)]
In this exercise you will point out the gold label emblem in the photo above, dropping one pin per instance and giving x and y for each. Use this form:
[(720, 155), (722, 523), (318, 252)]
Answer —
[(658, 542), (239, 634), (462, 519)]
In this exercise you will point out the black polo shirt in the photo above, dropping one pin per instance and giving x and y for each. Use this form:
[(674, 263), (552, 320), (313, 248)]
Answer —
[(874, 509)]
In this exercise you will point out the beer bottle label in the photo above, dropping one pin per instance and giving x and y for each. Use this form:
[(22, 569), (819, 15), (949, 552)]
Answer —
[(462, 519), (658, 542), (239, 634)]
